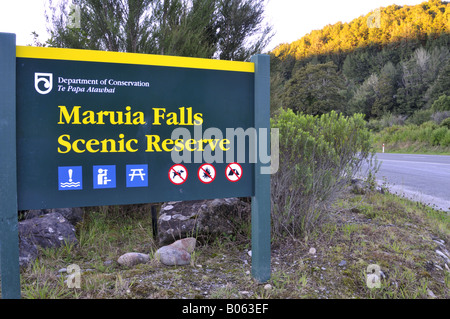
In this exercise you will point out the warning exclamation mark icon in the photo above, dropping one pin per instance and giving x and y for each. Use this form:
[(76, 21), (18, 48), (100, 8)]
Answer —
[(70, 178)]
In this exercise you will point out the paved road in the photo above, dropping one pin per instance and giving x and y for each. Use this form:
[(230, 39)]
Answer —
[(424, 178)]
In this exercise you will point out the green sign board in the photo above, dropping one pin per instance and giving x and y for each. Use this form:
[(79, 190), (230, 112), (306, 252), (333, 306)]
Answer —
[(104, 128), (107, 133)]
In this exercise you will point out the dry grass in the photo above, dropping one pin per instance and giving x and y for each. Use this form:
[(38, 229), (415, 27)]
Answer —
[(396, 234)]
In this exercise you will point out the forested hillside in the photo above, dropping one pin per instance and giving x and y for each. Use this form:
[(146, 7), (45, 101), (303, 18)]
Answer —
[(397, 65)]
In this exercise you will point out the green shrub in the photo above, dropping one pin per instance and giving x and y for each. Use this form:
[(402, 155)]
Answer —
[(438, 135), (419, 117), (318, 155), (446, 123), (441, 104), (445, 142)]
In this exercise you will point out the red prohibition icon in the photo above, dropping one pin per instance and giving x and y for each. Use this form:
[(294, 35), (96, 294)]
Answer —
[(233, 172), (178, 174), (206, 173)]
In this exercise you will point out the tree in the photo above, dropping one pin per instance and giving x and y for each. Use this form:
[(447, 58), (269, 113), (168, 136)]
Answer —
[(238, 21), (179, 29), (365, 96), (385, 101), (357, 67), (419, 73), (226, 29), (108, 25), (442, 104), (315, 89), (441, 85)]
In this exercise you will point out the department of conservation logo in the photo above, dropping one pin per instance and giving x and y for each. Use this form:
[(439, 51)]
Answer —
[(43, 82)]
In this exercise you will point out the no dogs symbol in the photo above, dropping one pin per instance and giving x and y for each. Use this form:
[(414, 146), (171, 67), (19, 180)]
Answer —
[(178, 174), (206, 173), (233, 172)]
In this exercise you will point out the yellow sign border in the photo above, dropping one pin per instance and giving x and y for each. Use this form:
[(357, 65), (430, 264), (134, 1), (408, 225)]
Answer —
[(132, 58)]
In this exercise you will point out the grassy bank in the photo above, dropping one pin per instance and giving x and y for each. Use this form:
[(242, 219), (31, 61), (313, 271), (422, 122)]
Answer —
[(427, 138), (331, 262)]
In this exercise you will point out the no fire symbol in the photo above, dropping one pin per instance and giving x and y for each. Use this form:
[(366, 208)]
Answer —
[(233, 172), (178, 174), (206, 173)]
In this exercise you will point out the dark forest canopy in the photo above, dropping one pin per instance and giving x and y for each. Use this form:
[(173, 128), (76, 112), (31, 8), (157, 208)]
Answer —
[(396, 65)]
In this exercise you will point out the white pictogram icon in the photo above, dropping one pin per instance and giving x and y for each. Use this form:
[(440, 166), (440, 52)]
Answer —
[(105, 176), (102, 177), (137, 172)]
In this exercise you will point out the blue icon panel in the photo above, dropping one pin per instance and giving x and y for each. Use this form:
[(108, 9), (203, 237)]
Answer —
[(104, 176), (137, 175), (70, 178)]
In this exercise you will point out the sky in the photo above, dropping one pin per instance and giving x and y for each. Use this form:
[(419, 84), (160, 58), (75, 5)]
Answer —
[(291, 19)]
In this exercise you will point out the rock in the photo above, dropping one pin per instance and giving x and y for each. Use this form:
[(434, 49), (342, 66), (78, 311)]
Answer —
[(359, 187), (133, 259), (171, 256), (177, 253), (49, 230), (186, 244), (342, 263), (108, 263), (204, 218), (431, 294), (73, 215), (446, 258), (28, 251)]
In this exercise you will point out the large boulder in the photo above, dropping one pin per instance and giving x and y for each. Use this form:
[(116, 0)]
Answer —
[(49, 230), (203, 219)]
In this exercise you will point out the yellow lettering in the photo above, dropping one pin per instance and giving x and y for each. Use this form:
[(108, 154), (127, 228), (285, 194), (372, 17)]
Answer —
[(152, 141), (89, 117), (198, 117), (164, 145), (179, 146), (128, 146), (173, 118), (89, 145), (157, 115), (68, 117), (213, 143), (223, 143), (75, 147), (64, 143), (189, 143), (139, 118), (111, 142)]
